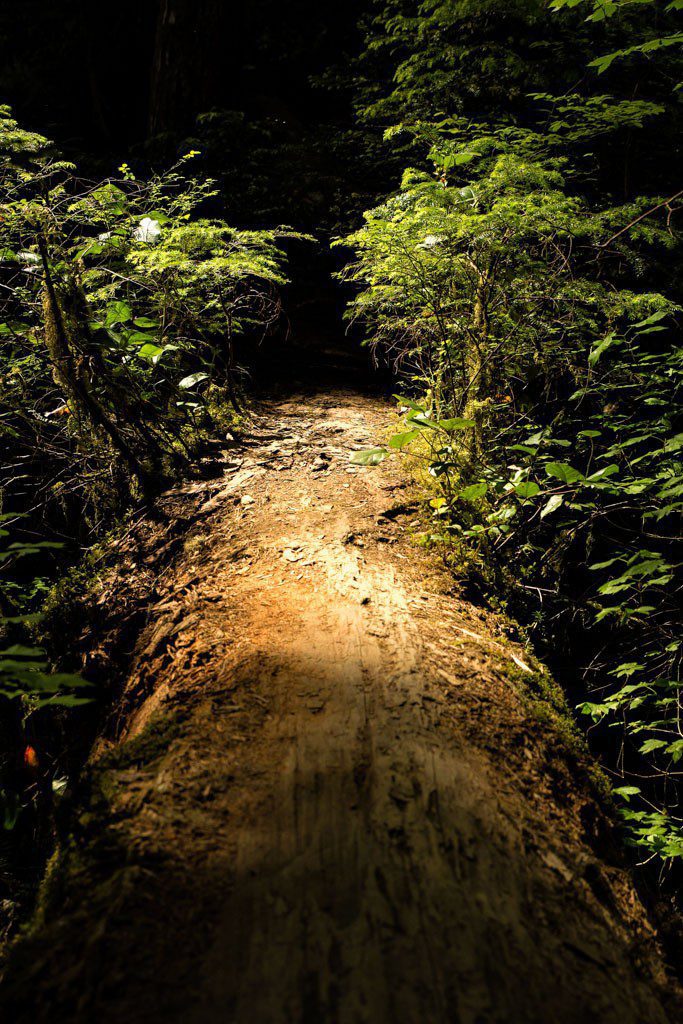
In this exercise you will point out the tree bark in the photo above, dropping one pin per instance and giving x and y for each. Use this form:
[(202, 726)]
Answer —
[(189, 64), (72, 376)]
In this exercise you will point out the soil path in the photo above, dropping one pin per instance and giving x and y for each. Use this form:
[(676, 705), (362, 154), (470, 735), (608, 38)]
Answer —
[(337, 796)]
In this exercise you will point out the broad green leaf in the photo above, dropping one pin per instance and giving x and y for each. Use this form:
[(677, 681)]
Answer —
[(651, 745), (601, 347), (373, 457), (140, 338), (601, 474), (474, 491), (150, 352), (626, 792), (675, 750), (68, 700), (21, 651), (192, 380), (527, 489), (410, 404), (420, 420), (562, 471), (606, 564), (552, 505), (525, 448), (455, 423), (118, 313), (401, 440), (654, 319)]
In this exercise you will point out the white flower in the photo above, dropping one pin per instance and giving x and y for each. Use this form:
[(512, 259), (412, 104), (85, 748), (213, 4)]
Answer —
[(104, 237), (148, 230), (28, 257), (430, 241)]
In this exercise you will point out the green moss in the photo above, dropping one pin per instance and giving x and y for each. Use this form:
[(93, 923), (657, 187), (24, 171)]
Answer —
[(222, 414), (139, 753), (84, 858), (145, 749), (545, 701), (63, 608), (50, 892)]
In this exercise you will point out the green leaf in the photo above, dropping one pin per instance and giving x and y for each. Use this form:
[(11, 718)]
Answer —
[(527, 449), (606, 565), (626, 792), (601, 64), (562, 471), (602, 473), (68, 700), (118, 313), (20, 651), (420, 420), (474, 491), (655, 318), (553, 503), (596, 711), (373, 457), (192, 380), (11, 807), (455, 159), (410, 403), (150, 352), (455, 423), (527, 489), (401, 440), (601, 347), (675, 750), (650, 745), (140, 338)]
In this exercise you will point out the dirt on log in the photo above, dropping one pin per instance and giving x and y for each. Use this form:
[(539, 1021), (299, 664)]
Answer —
[(331, 790)]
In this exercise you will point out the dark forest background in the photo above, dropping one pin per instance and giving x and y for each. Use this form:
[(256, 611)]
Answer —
[(133, 78)]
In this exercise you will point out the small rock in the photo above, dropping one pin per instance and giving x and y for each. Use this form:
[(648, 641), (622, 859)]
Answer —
[(554, 862), (401, 793), (280, 907), (291, 555)]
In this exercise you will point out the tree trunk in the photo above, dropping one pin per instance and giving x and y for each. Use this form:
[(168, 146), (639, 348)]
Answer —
[(189, 63), (71, 373), (475, 359)]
